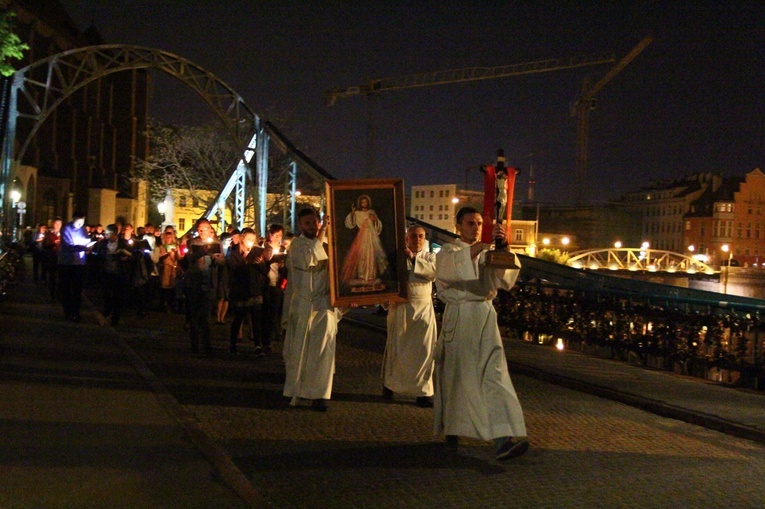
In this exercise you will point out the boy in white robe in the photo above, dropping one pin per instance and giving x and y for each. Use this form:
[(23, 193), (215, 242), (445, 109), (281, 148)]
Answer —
[(311, 323), (474, 396), (412, 333)]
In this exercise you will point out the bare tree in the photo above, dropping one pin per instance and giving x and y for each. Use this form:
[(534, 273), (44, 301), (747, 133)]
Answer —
[(202, 159), (189, 158)]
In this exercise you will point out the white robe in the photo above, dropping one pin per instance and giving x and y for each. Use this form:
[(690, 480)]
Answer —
[(412, 333), (474, 396), (311, 324)]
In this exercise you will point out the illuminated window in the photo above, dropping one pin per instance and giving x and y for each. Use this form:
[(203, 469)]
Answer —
[(182, 224), (519, 235)]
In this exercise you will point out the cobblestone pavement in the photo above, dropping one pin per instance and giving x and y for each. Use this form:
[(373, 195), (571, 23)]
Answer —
[(366, 453)]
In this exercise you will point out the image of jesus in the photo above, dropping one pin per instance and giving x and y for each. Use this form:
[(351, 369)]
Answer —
[(366, 259)]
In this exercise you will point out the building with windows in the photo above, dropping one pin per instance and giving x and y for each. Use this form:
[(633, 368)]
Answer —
[(728, 225), (438, 205), (661, 208), (81, 157)]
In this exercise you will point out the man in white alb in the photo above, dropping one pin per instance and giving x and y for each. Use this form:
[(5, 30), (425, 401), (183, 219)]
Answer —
[(412, 334), (474, 396)]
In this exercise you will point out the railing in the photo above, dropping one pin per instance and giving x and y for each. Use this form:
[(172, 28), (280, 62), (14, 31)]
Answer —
[(697, 339)]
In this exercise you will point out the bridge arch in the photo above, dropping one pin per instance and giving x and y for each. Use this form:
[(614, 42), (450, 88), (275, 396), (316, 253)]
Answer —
[(637, 259), (39, 88)]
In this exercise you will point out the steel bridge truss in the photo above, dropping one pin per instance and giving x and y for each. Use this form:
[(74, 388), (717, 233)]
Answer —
[(38, 89), (637, 259)]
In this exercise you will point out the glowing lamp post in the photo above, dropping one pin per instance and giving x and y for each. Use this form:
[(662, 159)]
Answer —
[(727, 249), (15, 201)]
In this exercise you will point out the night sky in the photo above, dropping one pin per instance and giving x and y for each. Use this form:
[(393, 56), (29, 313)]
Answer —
[(692, 101)]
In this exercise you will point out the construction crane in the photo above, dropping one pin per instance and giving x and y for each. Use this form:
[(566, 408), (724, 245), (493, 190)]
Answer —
[(581, 110), (469, 74), (465, 75)]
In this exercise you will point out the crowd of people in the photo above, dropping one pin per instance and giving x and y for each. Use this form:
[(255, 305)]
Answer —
[(147, 268), (277, 288)]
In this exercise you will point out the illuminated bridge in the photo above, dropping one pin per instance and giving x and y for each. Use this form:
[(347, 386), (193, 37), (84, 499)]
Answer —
[(637, 259)]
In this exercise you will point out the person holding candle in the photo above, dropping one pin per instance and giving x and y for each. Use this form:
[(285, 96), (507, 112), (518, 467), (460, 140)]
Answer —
[(247, 270), (169, 257), (202, 261), (274, 292), (114, 260), (72, 262), (51, 245)]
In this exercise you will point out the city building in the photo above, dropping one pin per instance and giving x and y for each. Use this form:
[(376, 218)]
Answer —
[(438, 205), (728, 225), (81, 156), (661, 207)]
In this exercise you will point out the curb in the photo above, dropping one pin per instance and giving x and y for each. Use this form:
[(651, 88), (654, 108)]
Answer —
[(225, 468)]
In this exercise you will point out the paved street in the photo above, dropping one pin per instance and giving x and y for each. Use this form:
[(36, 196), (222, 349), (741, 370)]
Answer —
[(93, 416)]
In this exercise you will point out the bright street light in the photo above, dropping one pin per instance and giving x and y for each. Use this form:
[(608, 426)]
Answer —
[(15, 196)]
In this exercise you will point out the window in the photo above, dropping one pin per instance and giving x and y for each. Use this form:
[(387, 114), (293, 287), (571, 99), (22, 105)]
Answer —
[(182, 223), (440, 216), (441, 193), (519, 235), (432, 194), (431, 216), (182, 203), (687, 226), (447, 193), (431, 208), (440, 207), (195, 201)]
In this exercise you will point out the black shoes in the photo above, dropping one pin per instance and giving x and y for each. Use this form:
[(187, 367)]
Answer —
[(387, 394), (512, 448), (319, 405), (424, 402)]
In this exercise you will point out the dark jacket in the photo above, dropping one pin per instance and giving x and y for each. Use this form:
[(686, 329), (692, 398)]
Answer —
[(200, 267), (248, 276)]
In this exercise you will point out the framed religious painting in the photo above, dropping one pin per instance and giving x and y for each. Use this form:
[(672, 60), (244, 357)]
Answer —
[(367, 264)]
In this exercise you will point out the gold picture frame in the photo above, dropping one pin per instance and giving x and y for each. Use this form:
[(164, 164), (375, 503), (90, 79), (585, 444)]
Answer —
[(367, 264)]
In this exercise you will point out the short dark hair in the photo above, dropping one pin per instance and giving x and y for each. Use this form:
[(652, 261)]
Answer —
[(464, 211), (308, 211), (275, 228), (78, 214)]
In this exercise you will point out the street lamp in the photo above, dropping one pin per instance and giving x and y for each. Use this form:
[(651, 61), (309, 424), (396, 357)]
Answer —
[(15, 198), (727, 249)]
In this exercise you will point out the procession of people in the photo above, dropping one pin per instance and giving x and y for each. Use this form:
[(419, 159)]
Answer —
[(277, 289)]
